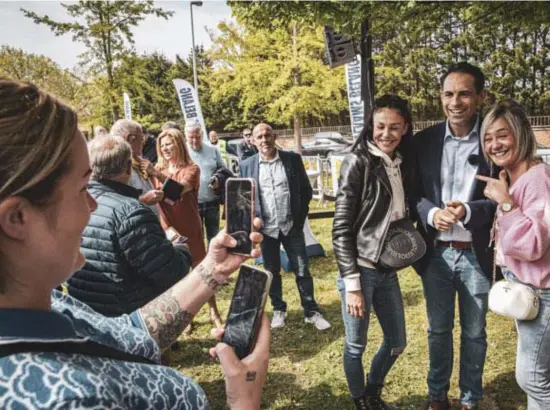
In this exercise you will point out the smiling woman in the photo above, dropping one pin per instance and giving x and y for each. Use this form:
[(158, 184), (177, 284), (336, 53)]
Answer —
[(522, 231)]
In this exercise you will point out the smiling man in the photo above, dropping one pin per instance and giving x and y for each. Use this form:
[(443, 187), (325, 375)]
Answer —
[(456, 220), (283, 193)]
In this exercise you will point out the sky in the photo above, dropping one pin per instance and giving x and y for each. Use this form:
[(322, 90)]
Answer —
[(171, 36)]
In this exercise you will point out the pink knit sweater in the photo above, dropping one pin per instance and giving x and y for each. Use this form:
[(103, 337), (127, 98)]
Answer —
[(524, 233)]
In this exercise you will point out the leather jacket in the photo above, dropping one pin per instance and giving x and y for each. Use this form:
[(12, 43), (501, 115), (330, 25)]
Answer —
[(363, 210)]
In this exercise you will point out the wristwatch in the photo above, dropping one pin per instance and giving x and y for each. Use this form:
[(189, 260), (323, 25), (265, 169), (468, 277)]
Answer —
[(506, 206)]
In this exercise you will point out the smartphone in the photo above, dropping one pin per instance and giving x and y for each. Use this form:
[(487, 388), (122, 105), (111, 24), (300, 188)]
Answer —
[(171, 234), (172, 191), (240, 205), (246, 310)]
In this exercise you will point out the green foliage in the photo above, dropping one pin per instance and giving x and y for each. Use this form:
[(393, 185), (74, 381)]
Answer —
[(106, 33), (65, 85), (275, 75), (413, 43)]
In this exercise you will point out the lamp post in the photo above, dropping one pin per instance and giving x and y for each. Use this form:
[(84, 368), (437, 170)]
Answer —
[(198, 4)]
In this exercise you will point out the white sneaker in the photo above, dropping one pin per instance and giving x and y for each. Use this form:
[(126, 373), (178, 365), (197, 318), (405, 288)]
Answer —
[(318, 320), (278, 319)]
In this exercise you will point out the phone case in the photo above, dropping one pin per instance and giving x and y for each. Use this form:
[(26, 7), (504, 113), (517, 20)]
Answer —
[(172, 189), (240, 351), (252, 206)]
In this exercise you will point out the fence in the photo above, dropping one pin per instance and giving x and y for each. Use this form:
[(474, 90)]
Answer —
[(536, 122)]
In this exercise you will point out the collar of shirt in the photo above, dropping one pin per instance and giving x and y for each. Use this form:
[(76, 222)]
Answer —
[(474, 133), (268, 161), (37, 325)]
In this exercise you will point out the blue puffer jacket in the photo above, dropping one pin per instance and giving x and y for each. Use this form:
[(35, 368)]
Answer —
[(129, 261)]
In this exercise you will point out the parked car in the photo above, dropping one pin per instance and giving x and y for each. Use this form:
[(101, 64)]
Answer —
[(325, 144), (544, 153)]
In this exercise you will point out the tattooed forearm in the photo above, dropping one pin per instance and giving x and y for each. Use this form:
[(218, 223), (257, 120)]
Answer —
[(165, 319), (205, 273)]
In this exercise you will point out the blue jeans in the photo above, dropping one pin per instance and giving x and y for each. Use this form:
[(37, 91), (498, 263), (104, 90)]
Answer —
[(295, 247), (533, 353), (449, 272), (210, 218), (381, 292)]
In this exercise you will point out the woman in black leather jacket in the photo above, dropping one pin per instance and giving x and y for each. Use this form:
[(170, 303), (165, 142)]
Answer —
[(374, 183)]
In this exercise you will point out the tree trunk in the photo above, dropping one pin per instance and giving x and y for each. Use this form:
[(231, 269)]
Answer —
[(297, 134), (296, 77)]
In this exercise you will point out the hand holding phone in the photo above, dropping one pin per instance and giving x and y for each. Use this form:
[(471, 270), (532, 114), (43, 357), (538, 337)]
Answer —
[(244, 379), (239, 210), (246, 310)]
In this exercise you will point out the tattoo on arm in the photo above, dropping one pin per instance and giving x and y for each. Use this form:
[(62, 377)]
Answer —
[(165, 319), (205, 273)]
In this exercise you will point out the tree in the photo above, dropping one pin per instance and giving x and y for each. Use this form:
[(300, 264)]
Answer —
[(107, 33), (280, 70), (413, 43), (65, 85)]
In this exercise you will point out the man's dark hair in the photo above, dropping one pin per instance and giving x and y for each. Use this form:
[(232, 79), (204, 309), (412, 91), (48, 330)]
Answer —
[(467, 68)]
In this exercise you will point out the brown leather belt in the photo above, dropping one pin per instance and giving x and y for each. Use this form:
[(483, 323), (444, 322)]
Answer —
[(455, 244)]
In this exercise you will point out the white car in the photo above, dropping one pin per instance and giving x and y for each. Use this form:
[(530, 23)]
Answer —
[(544, 153)]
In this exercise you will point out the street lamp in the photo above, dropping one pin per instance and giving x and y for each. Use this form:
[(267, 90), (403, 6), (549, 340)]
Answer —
[(198, 4)]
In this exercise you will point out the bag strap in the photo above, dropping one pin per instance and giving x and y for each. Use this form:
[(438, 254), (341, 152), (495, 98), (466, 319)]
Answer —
[(88, 348)]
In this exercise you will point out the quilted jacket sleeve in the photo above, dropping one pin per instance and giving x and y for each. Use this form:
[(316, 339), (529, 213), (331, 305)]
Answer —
[(148, 251)]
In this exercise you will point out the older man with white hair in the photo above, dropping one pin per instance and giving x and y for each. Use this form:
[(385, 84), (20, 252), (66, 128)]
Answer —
[(209, 160), (129, 261), (131, 131)]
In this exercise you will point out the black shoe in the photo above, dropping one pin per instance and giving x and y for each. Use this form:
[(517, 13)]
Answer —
[(361, 403), (372, 394)]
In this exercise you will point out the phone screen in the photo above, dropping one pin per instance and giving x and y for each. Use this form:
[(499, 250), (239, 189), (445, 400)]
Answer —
[(245, 312), (239, 208)]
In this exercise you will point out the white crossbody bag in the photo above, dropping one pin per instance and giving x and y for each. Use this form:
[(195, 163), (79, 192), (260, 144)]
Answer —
[(512, 299)]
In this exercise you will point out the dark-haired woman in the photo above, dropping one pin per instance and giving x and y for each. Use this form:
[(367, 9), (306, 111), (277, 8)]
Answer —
[(372, 194)]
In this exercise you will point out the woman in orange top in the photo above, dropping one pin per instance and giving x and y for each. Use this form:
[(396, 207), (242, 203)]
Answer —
[(175, 163)]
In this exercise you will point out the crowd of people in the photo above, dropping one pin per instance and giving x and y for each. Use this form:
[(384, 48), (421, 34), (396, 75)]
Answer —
[(94, 216)]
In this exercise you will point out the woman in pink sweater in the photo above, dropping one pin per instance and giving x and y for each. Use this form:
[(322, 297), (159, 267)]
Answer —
[(522, 235)]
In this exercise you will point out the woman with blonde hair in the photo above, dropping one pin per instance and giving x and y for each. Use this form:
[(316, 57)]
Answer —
[(522, 235), (55, 351), (174, 162)]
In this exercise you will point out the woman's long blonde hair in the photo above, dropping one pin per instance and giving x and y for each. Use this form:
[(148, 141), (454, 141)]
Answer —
[(182, 152)]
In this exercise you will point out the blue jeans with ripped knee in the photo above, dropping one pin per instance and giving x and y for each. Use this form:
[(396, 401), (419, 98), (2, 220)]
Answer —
[(383, 294)]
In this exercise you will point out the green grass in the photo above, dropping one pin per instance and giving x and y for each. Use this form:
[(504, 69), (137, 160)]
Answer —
[(305, 369)]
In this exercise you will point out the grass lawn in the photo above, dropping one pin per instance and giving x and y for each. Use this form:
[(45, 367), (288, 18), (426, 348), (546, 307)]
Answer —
[(305, 369)]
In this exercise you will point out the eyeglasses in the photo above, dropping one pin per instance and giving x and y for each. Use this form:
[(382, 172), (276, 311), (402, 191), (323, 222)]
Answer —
[(247, 135)]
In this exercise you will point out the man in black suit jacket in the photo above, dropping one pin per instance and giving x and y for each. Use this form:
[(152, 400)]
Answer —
[(456, 219), (283, 193)]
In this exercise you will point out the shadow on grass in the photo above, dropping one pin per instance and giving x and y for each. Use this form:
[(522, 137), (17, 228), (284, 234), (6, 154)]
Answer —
[(413, 297), (503, 393), (281, 392), (301, 341)]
